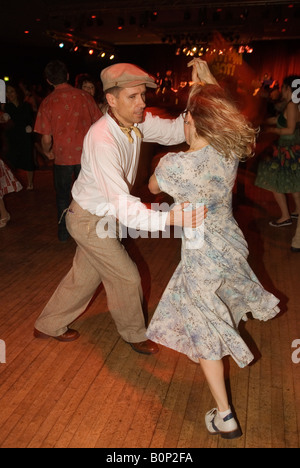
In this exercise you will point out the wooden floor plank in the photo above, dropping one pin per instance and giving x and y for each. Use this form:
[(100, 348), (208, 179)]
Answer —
[(97, 392)]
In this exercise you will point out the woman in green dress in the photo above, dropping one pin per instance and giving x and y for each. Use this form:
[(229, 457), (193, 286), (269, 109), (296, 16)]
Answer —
[(280, 172)]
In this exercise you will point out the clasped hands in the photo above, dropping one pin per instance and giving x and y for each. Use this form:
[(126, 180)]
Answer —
[(201, 72), (188, 219)]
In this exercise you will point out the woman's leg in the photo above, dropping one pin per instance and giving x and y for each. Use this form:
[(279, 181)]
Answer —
[(221, 420), (214, 373), (3, 211), (30, 180), (4, 214), (296, 197), (282, 203)]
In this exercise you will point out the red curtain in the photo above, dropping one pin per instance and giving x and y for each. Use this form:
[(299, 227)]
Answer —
[(277, 58)]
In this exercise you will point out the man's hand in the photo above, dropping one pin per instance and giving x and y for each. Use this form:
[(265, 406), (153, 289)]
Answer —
[(46, 143), (49, 154), (201, 72), (4, 117), (188, 219)]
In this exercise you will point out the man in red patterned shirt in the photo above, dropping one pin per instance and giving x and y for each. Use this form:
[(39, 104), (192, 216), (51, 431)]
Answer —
[(63, 119)]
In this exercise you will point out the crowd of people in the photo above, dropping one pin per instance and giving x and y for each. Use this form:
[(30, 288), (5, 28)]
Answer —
[(21, 145), (95, 146)]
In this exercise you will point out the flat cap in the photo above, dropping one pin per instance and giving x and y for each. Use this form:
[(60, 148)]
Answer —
[(125, 75)]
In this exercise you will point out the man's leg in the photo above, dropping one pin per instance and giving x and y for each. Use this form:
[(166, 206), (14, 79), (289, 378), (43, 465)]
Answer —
[(96, 260), (118, 273), (71, 297), (63, 180)]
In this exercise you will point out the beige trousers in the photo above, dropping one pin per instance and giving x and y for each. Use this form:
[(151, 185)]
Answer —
[(296, 238), (96, 260)]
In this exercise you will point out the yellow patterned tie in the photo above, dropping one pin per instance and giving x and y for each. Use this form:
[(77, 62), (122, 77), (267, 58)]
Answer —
[(127, 131)]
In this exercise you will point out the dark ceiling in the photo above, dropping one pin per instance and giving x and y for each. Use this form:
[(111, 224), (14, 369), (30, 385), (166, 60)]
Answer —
[(116, 23)]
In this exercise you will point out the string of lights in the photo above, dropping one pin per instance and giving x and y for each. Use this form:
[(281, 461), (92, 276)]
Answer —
[(77, 44)]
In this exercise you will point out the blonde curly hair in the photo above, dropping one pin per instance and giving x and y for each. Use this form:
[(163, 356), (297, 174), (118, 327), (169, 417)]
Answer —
[(218, 120)]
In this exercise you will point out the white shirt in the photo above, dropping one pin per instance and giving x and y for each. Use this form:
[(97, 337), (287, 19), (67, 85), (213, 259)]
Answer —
[(109, 166)]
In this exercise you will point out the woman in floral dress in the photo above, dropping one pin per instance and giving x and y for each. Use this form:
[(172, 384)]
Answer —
[(280, 172), (213, 287)]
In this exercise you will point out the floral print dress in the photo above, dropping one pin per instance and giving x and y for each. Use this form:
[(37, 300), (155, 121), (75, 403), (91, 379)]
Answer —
[(213, 287)]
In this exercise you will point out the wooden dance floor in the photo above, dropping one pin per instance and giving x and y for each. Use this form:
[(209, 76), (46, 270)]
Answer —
[(97, 392)]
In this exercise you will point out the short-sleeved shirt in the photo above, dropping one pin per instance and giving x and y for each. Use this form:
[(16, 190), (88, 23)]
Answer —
[(67, 114)]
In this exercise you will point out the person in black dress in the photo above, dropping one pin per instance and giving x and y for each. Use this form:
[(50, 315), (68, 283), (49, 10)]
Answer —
[(19, 133)]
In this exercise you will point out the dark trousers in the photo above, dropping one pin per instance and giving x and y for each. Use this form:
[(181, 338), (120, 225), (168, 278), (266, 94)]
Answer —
[(64, 177)]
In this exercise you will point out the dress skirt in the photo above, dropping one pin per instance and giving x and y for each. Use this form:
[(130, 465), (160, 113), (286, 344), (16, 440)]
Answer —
[(213, 287), (8, 182)]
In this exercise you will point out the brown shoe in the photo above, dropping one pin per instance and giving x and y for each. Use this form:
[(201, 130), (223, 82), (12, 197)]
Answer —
[(145, 347), (69, 335)]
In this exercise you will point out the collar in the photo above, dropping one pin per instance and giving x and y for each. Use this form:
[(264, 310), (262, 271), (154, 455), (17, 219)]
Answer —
[(125, 130)]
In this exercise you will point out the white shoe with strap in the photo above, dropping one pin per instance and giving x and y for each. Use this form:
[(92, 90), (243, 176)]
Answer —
[(224, 424)]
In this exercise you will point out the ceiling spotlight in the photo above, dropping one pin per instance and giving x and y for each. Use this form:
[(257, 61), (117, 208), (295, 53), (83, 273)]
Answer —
[(61, 45), (91, 51), (111, 57)]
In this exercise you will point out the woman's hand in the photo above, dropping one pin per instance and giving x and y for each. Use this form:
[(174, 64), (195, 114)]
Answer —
[(201, 72)]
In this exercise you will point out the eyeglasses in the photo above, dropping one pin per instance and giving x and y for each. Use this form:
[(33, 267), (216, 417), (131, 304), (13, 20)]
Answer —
[(184, 115)]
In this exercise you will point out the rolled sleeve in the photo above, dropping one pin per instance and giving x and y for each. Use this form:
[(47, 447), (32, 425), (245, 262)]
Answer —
[(163, 131)]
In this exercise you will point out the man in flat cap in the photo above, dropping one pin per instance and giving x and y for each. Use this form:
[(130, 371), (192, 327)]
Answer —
[(101, 194)]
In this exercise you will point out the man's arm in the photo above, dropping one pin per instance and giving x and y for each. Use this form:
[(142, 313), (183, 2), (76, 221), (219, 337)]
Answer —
[(104, 163), (166, 132), (47, 142), (153, 185), (292, 117), (177, 216)]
